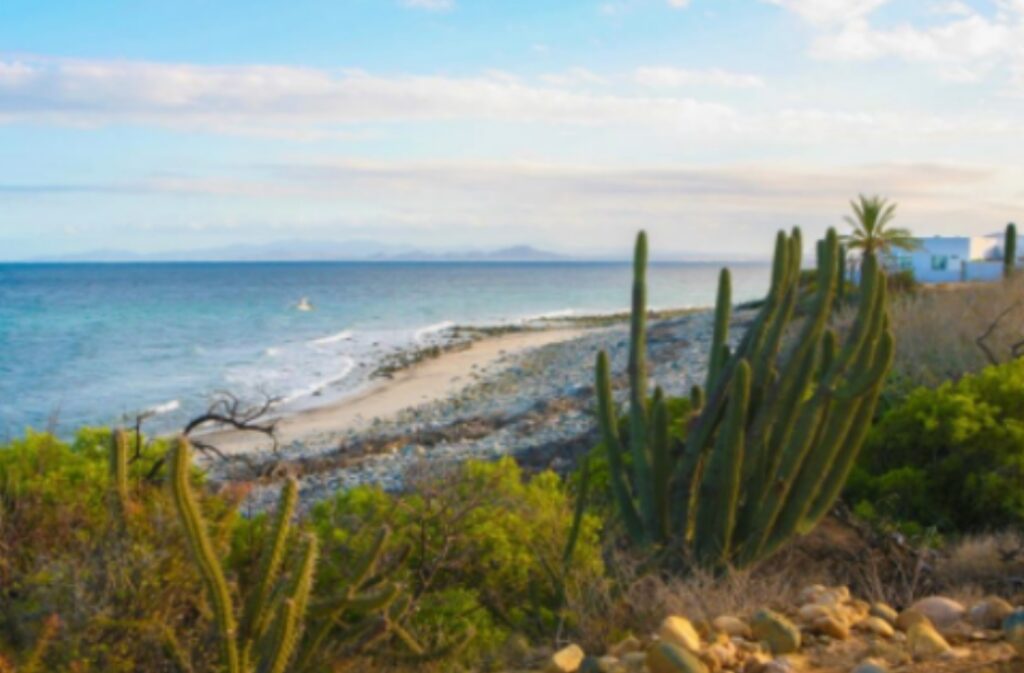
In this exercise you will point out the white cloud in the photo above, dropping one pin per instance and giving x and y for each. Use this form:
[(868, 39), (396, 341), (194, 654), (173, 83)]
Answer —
[(830, 12), (430, 5), (679, 4), (966, 45), (667, 77), (83, 92)]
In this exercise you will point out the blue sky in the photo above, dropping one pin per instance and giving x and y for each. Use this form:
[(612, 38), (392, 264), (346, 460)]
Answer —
[(156, 126)]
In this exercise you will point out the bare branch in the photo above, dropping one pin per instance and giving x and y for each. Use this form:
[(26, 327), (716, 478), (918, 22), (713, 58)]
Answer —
[(992, 328)]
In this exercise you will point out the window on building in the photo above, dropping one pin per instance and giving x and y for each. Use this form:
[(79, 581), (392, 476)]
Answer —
[(940, 262)]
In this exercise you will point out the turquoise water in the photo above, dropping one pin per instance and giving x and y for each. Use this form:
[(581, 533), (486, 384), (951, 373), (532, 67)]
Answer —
[(97, 343)]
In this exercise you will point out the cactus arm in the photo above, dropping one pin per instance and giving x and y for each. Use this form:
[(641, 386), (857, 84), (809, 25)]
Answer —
[(720, 334), (610, 434), (1010, 250), (696, 398), (643, 483), (278, 652), (661, 461), (119, 472), (202, 551), (720, 483), (255, 615)]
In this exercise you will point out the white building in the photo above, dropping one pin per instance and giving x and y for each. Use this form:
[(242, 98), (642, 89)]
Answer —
[(948, 259)]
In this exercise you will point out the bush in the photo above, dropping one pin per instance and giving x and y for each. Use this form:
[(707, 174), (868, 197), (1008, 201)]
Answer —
[(482, 550), (950, 457), (109, 594)]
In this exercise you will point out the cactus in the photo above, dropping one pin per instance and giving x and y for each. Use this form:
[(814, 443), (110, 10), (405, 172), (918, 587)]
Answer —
[(770, 439), (1010, 250), (272, 623)]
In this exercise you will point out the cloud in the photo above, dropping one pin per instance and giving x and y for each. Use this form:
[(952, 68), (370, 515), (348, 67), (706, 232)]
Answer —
[(830, 12), (666, 77), (679, 4), (965, 45), (268, 98), (430, 5)]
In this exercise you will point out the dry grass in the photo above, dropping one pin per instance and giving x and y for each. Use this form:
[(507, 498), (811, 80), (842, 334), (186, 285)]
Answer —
[(984, 564), (937, 329)]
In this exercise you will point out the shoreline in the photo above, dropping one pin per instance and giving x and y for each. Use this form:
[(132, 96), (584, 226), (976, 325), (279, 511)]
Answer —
[(422, 381)]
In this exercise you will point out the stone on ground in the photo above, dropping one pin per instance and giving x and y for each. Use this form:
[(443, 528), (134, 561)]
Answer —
[(989, 613), (665, 657), (942, 612), (566, 660), (781, 636), (680, 632), (924, 642)]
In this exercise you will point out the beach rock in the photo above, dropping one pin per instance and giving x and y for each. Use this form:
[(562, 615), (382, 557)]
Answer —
[(877, 626), (680, 632), (942, 612), (830, 626), (909, 618), (783, 665), (778, 632), (665, 657), (635, 662), (566, 660), (924, 642), (1013, 629), (601, 665), (989, 613), (884, 611), (870, 666), (733, 626)]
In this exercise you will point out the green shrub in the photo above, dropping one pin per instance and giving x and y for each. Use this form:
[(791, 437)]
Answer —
[(950, 457), (122, 591), (481, 547)]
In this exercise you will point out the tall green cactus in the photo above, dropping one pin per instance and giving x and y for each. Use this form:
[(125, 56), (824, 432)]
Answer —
[(775, 432), (1010, 250)]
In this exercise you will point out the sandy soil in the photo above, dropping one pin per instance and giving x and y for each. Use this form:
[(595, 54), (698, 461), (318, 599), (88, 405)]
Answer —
[(425, 381)]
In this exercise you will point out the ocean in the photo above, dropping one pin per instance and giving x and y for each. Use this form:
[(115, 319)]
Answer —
[(85, 344)]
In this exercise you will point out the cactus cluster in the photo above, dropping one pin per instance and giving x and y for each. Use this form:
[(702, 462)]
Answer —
[(274, 614), (1010, 250), (773, 433)]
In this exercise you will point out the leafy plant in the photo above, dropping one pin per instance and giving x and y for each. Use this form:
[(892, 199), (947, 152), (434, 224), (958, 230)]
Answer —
[(872, 234), (769, 450), (950, 457)]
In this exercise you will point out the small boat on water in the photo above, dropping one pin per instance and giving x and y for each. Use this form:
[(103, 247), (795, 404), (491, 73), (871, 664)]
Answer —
[(304, 305)]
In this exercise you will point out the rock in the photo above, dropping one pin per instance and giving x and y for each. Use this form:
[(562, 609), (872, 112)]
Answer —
[(782, 665), (1013, 629), (883, 611), (812, 612), (680, 632), (665, 657), (778, 632), (720, 655), (812, 593), (877, 626), (909, 618), (870, 666), (566, 660), (942, 612), (733, 626), (832, 627), (989, 613), (609, 664), (924, 642)]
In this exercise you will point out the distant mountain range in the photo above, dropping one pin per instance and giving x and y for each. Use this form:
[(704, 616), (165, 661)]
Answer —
[(312, 251)]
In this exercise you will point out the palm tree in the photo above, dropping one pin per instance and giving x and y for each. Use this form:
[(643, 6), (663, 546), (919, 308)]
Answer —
[(871, 233)]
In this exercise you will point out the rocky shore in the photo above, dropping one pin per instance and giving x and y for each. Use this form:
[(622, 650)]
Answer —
[(536, 404)]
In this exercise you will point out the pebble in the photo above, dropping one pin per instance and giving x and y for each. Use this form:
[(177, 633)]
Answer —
[(566, 660), (989, 613), (870, 666), (942, 612), (680, 632), (924, 642), (778, 632), (884, 611), (667, 658), (733, 626), (877, 626)]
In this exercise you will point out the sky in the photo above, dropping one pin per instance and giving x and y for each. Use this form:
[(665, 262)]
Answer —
[(151, 125)]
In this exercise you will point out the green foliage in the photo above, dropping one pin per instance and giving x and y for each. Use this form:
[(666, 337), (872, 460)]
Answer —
[(766, 455), (902, 282), (117, 580), (950, 457), (871, 233), (481, 547)]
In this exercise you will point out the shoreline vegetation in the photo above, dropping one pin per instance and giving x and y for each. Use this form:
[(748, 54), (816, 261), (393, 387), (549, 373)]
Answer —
[(467, 514)]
